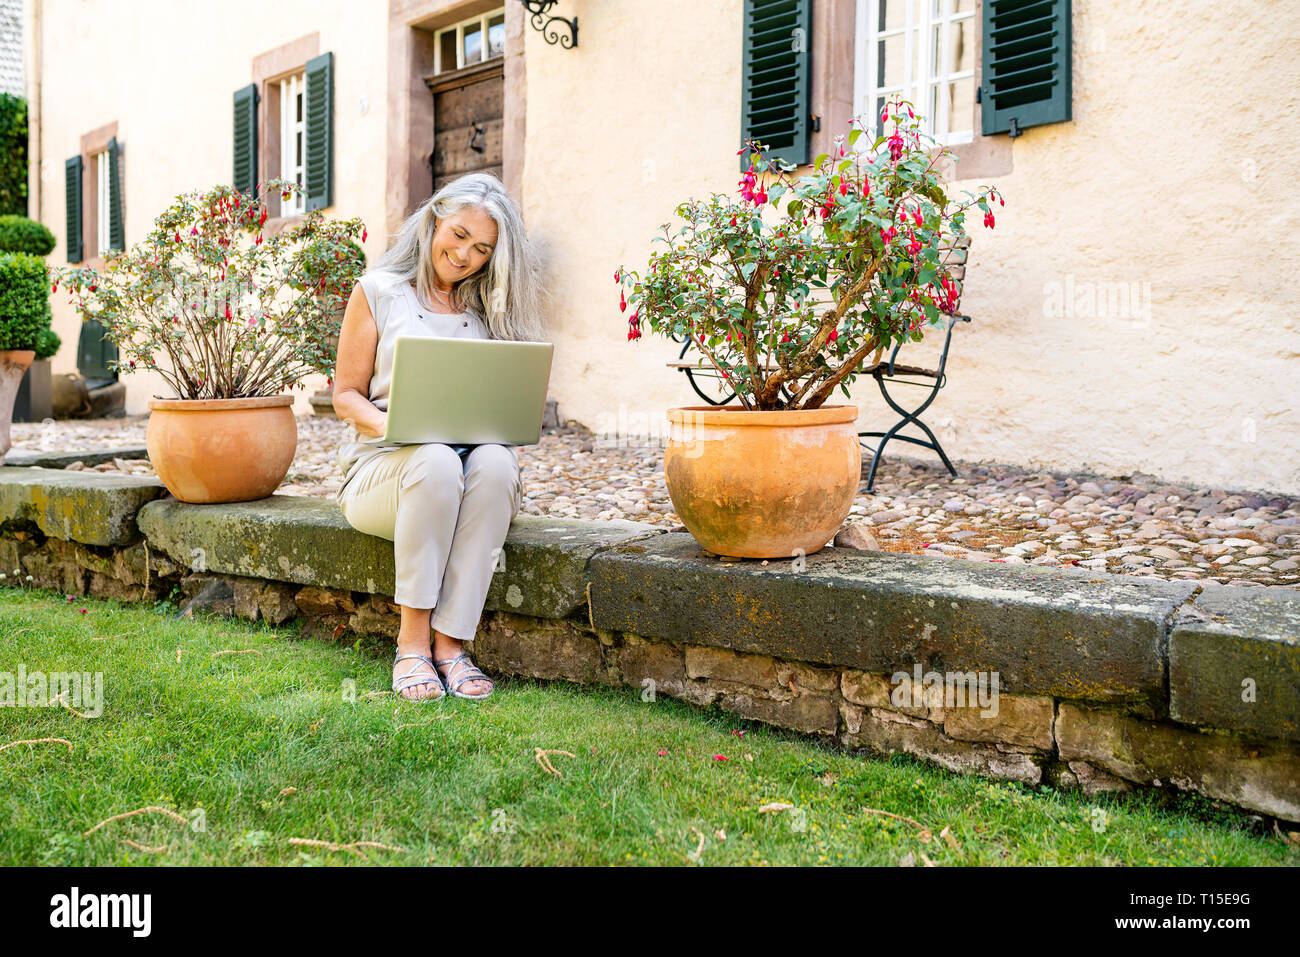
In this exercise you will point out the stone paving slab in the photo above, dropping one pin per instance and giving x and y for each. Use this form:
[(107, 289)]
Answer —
[(1046, 631), (94, 508), (59, 460), (308, 541), (1234, 661)]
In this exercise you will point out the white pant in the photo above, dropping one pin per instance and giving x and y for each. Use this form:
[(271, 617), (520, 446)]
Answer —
[(447, 520)]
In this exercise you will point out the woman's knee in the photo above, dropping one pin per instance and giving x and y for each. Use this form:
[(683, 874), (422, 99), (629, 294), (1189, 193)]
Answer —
[(496, 463), (436, 465)]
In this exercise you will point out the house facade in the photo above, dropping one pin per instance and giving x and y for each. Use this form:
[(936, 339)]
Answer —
[(1128, 309)]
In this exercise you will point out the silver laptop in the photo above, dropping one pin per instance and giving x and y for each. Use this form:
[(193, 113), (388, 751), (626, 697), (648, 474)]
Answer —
[(466, 391)]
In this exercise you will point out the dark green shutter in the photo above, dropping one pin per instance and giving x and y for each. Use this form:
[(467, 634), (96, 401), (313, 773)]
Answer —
[(245, 140), (776, 78), (72, 170), (1025, 65), (319, 161), (116, 228), (95, 354)]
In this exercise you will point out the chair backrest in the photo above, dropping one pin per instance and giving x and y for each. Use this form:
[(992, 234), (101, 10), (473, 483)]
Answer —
[(955, 256)]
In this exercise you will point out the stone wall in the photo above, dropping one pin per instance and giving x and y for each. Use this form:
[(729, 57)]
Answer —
[(1105, 683)]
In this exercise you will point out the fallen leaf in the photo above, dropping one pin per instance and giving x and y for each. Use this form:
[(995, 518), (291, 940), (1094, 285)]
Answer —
[(775, 806)]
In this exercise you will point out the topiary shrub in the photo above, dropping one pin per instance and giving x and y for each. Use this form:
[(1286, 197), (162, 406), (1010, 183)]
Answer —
[(24, 300), (47, 343), (18, 234)]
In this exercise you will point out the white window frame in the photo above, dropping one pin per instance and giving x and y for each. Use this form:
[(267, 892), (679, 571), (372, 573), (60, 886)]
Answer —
[(293, 167), (916, 63), (481, 22), (102, 210)]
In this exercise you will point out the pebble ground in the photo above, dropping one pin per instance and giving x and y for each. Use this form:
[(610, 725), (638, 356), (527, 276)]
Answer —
[(1130, 525)]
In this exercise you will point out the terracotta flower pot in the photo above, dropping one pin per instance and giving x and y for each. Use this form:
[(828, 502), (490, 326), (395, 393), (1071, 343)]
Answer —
[(222, 450), (13, 363), (751, 484)]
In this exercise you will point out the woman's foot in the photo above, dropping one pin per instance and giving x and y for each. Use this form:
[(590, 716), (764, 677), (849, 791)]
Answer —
[(406, 672), (444, 649)]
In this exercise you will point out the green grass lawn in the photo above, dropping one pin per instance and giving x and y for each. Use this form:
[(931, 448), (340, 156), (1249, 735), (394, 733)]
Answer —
[(254, 750)]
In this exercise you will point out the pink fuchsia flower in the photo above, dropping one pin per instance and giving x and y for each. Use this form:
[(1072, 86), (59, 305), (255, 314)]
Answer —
[(895, 146), (835, 334), (618, 275), (662, 752), (634, 326), (364, 232), (738, 733), (622, 302), (988, 219), (716, 757)]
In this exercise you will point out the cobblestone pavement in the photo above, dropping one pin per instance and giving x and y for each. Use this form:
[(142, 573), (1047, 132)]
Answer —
[(1133, 525)]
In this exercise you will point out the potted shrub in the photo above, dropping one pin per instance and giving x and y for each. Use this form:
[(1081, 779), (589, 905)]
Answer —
[(849, 260), (24, 315), (322, 401), (229, 318)]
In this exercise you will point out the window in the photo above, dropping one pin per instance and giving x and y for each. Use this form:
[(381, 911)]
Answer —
[(293, 135), (471, 41), (102, 211), (922, 51)]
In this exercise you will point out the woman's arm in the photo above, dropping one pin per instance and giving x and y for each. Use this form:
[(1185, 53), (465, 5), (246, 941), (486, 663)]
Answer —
[(354, 366)]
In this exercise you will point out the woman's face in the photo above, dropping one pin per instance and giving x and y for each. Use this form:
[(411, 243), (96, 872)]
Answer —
[(462, 243)]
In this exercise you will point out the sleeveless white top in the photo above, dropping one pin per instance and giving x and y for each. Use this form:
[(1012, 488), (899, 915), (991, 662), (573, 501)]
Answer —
[(398, 312)]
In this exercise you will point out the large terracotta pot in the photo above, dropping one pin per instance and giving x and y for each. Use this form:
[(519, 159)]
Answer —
[(751, 484), (13, 363), (222, 450)]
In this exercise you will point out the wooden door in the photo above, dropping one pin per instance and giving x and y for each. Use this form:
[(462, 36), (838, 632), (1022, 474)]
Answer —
[(467, 122)]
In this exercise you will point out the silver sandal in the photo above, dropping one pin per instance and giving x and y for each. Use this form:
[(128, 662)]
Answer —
[(471, 673), (413, 677)]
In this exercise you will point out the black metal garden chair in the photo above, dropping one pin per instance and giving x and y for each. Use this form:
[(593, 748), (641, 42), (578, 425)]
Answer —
[(886, 374)]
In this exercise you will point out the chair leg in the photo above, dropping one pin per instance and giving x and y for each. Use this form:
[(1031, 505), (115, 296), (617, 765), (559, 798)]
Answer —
[(934, 441)]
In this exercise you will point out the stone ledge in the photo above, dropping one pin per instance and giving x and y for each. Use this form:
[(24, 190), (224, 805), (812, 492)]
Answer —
[(307, 541), (1264, 777), (1234, 661), (88, 507), (31, 458), (1062, 633)]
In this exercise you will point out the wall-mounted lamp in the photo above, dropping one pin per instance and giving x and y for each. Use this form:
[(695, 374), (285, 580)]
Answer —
[(541, 20)]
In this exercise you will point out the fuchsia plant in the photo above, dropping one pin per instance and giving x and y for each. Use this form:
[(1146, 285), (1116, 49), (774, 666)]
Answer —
[(234, 312), (856, 262)]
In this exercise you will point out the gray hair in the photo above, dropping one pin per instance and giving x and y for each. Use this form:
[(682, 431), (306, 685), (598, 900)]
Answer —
[(506, 291)]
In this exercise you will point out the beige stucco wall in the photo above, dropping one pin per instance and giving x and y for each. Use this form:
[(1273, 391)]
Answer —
[(168, 81), (1174, 175)]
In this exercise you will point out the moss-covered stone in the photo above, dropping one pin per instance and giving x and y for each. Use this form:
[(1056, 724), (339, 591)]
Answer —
[(1234, 661), (308, 541), (1058, 632), (93, 508)]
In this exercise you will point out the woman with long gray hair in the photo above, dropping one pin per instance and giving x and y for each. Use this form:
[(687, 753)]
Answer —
[(461, 265)]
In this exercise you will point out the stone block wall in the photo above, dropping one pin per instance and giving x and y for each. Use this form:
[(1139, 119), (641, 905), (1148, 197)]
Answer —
[(1106, 683)]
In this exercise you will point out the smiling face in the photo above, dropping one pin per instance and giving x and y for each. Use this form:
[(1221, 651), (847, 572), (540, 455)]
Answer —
[(462, 243)]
